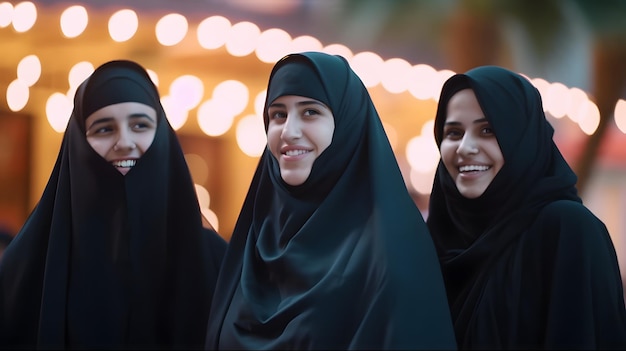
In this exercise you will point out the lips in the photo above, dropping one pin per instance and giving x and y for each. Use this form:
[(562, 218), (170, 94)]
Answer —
[(473, 168), (124, 163), (295, 152)]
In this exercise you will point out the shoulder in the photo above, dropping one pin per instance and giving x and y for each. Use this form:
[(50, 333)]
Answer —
[(567, 213), (570, 221)]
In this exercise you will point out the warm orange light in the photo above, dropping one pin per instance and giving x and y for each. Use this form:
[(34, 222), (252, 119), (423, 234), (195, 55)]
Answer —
[(24, 16), (395, 75), (423, 82), (251, 136), (338, 49), (620, 115), (368, 66), (29, 70), (6, 14), (17, 95), (123, 25), (242, 39), (171, 29), (213, 31), (58, 111), (74, 21), (272, 44), (212, 119), (590, 119)]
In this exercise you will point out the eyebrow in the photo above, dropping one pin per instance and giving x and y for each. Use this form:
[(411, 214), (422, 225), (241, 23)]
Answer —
[(454, 123), (300, 103), (131, 116)]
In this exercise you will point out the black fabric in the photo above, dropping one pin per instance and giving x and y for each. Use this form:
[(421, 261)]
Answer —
[(343, 261), (111, 261), (104, 91), (526, 264)]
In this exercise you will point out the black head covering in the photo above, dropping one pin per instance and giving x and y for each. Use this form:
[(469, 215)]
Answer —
[(475, 237), (120, 84), (534, 171), (107, 260), (343, 261)]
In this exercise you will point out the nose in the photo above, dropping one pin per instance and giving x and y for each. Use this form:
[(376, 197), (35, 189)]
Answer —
[(124, 142), (291, 128), (468, 146)]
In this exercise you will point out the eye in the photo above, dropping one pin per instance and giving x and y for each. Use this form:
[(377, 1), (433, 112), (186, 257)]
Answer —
[(277, 114), (487, 130), (452, 133), (310, 112), (142, 125), (100, 129)]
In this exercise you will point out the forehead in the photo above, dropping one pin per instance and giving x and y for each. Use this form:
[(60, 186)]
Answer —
[(464, 106), (123, 110), (295, 99)]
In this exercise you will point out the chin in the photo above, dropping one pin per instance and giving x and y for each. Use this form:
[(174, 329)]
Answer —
[(471, 193), (294, 178)]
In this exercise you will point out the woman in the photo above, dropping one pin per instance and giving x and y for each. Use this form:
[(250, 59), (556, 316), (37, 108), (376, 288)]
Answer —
[(329, 250), (114, 255), (526, 264)]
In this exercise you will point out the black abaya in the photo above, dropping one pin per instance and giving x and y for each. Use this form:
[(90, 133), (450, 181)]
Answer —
[(343, 261), (526, 264), (111, 261)]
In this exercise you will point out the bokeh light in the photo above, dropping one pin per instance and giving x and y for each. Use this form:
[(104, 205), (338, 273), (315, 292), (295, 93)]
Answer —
[(29, 70), (58, 111), (212, 32), (187, 90), (123, 25), (17, 95), (74, 20), (368, 66), (242, 39), (6, 14), (620, 115), (251, 136), (271, 45), (171, 29), (24, 16)]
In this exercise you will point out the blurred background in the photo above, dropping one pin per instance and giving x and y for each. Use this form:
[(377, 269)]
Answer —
[(211, 60)]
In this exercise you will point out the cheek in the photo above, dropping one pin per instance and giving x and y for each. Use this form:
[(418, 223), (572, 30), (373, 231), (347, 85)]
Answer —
[(273, 138), (101, 146), (495, 154), (144, 140), (448, 153), (324, 137)]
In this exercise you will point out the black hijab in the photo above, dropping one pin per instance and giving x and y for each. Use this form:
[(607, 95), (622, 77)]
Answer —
[(343, 261), (471, 235), (107, 260)]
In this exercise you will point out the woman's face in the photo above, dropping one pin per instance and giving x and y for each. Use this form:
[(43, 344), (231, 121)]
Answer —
[(469, 149), (299, 130), (121, 133)]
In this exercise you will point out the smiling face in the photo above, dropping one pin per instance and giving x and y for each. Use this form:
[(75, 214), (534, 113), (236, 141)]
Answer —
[(299, 130), (121, 133), (469, 149)]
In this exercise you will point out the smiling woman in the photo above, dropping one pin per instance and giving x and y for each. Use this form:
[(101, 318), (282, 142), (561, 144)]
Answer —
[(526, 264), (329, 251), (114, 256), (121, 133)]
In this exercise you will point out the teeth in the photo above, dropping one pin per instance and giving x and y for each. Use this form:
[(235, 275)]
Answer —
[(125, 163), (295, 152), (471, 168)]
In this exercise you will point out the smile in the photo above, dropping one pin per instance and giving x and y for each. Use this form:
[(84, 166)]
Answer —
[(296, 152), (124, 163), (473, 168)]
